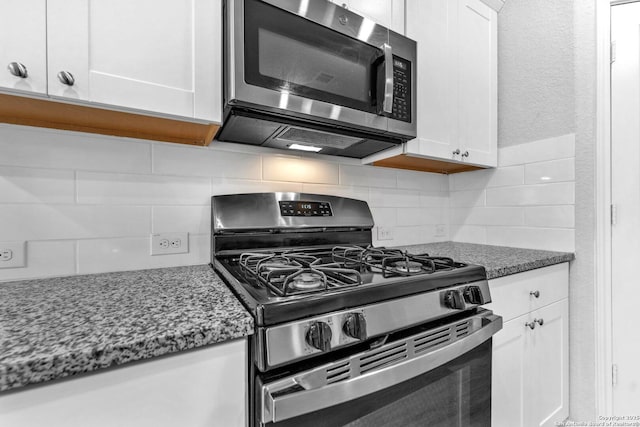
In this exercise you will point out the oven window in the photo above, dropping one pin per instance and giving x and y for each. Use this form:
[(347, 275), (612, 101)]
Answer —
[(286, 52), (457, 394)]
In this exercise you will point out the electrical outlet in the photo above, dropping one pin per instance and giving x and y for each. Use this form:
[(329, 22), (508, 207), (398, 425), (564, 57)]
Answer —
[(441, 230), (385, 233), (169, 243), (12, 254)]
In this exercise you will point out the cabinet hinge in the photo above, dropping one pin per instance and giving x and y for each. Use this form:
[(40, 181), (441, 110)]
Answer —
[(614, 214), (614, 375), (613, 51)]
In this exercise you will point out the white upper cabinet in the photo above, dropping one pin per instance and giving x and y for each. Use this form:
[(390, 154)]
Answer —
[(160, 56), (456, 82), (23, 56), (389, 13), (477, 68)]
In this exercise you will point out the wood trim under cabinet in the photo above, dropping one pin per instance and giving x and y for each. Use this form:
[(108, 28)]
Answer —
[(26, 111), (424, 165)]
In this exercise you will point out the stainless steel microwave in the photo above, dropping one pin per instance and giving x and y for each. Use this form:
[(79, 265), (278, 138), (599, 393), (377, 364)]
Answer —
[(314, 76)]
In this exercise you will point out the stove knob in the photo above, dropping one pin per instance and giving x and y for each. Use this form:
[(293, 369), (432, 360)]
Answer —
[(319, 336), (473, 295), (453, 299), (355, 326)]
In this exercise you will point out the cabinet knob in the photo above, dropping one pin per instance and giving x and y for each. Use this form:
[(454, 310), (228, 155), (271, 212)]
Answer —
[(535, 294), (531, 325), (17, 69), (539, 321), (456, 152), (66, 78), (465, 154)]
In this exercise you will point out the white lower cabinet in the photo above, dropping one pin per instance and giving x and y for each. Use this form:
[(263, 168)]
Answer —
[(530, 378), (196, 388)]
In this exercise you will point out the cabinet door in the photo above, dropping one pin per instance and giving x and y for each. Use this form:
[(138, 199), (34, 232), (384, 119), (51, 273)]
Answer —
[(477, 82), (389, 13), (547, 380), (508, 374), (202, 387), (160, 56), (23, 41), (433, 25)]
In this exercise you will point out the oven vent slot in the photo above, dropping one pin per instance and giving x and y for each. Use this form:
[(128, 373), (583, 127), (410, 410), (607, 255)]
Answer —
[(382, 358), (462, 329), (338, 373), (434, 339)]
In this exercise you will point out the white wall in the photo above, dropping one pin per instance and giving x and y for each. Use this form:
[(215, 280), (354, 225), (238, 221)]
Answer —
[(87, 203), (527, 202), (535, 70)]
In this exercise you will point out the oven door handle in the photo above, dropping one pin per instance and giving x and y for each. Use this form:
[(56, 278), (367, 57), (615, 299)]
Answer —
[(308, 392)]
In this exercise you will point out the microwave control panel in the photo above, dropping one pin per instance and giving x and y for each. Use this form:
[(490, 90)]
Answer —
[(401, 89), (302, 208)]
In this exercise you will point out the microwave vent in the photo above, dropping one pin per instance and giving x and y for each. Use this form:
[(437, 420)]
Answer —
[(316, 138)]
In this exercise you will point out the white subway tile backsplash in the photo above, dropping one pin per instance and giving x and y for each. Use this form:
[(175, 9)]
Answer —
[(387, 198), (237, 186), (485, 178), (103, 255), (421, 216), (550, 216), (551, 171), (487, 216), (57, 222), (561, 193), (368, 176), (87, 203), (384, 217), (552, 239), (27, 185), (45, 259), (469, 234), (469, 198), (411, 235), (34, 147), (423, 181), (435, 200), (359, 193), (172, 159), (129, 189), (559, 147), (294, 169), (191, 219)]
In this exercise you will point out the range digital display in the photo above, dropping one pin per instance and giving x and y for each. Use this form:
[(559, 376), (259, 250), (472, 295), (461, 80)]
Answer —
[(304, 208)]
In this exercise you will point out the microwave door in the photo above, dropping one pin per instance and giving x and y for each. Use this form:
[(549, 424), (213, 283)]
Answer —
[(295, 64)]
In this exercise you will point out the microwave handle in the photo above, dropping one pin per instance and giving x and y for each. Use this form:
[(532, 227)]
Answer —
[(387, 104)]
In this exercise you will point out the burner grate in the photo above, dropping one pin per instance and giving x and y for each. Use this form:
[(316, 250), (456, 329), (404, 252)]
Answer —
[(297, 273), (391, 262)]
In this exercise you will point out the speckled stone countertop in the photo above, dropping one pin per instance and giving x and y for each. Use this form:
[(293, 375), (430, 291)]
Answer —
[(498, 260), (54, 328)]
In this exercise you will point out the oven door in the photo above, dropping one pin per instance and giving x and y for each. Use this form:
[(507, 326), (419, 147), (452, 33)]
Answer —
[(309, 58), (438, 377)]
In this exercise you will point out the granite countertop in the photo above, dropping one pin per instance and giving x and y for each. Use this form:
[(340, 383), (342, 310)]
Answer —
[(54, 328), (58, 327), (498, 260)]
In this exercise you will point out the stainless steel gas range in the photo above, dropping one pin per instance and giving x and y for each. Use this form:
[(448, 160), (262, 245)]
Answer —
[(347, 333)]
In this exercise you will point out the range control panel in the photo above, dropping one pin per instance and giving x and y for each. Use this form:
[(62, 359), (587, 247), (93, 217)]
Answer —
[(401, 89), (303, 208)]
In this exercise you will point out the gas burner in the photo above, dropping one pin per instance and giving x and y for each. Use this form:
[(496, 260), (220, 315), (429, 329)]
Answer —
[(407, 266), (306, 281)]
